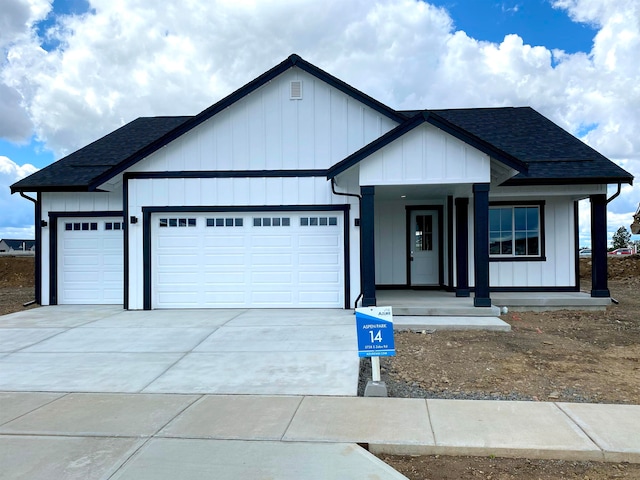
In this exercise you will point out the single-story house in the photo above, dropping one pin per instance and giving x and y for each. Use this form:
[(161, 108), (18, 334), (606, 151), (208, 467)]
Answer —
[(14, 245), (298, 190)]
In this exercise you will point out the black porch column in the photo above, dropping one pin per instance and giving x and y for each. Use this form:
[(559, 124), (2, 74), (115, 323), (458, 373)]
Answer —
[(599, 287), (462, 247), (481, 244), (367, 247)]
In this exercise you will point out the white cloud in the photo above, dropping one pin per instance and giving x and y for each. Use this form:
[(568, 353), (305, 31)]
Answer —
[(17, 212), (131, 58), (17, 17)]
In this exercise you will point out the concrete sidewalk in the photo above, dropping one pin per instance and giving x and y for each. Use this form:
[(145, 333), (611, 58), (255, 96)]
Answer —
[(167, 436)]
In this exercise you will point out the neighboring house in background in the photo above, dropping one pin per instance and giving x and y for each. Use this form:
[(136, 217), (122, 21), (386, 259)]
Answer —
[(10, 246), (300, 191)]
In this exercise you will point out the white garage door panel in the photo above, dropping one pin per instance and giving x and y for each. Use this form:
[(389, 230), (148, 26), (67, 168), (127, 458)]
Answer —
[(270, 260), (90, 261)]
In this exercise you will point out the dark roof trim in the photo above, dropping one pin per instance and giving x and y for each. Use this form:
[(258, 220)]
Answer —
[(517, 182), (374, 146), (476, 142), (347, 89), (292, 61), (413, 122), (57, 188), (226, 174)]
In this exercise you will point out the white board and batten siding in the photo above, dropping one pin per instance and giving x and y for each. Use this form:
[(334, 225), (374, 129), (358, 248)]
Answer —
[(294, 247), (427, 156), (559, 267), (104, 245), (266, 130)]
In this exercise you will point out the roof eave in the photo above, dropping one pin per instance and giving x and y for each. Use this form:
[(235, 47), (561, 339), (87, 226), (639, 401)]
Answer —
[(476, 142), (412, 122), (50, 188), (516, 182)]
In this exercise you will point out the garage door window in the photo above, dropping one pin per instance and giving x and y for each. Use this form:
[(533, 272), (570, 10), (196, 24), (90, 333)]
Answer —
[(88, 226), (271, 222), (224, 222), (318, 221), (113, 226), (178, 222)]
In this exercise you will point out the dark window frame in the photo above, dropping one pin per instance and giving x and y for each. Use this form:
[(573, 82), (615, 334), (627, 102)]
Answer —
[(541, 257)]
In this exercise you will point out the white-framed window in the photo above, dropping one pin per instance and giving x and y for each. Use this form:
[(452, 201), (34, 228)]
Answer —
[(516, 231)]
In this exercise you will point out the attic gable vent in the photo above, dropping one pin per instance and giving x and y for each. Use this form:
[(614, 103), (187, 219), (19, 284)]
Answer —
[(296, 90)]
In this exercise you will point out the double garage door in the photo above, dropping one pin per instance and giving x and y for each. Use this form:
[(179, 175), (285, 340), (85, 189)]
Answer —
[(252, 259)]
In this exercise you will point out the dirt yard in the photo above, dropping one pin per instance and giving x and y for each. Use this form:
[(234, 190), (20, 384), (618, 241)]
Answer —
[(564, 356), (549, 356), (16, 283)]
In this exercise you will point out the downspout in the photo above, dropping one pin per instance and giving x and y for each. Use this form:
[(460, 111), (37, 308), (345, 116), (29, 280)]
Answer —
[(35, 207), (615, 195), (359, 197)]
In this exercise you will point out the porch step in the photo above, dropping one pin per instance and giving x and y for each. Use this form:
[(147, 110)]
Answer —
[(444, 310), (434, 323), (432, 303)]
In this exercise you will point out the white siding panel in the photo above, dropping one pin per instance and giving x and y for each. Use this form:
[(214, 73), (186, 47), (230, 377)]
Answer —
[(425, 155), (390, 242), (81, 201), (267, 131), (558, 270), (322, 125)]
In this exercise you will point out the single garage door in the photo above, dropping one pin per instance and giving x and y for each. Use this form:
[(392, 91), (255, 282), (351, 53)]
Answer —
[(90, 260), (239, 260)]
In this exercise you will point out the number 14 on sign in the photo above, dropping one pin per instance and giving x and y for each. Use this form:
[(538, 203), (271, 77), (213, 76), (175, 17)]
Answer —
[(377, 337)]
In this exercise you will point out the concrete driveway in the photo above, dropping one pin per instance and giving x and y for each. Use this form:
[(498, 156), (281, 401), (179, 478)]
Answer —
[(97, 348)]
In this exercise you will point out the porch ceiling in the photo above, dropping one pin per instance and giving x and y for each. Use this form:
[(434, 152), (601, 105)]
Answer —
[(421, 192)]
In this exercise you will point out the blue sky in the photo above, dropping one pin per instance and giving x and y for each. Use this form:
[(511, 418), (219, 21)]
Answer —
[(74, 70), (536, 21)]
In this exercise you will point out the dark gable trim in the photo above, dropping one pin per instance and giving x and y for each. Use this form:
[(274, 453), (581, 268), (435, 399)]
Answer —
[(374, 146), (438, 122), (53, 244), (347, 89), (146, 235), (476, 142), (226, 174), (252, 86)]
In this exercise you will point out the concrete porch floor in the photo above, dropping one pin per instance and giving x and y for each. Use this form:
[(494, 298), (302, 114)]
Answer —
[(442, 303)]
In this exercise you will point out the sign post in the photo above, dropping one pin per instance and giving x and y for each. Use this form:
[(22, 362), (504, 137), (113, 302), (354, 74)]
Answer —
[(375, 339)]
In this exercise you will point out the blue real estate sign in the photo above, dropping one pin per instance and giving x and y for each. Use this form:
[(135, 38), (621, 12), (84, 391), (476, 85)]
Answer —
[(375, 332)]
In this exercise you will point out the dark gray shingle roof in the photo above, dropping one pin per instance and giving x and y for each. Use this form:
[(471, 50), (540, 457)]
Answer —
[(547, 153), (551, 153), (78, 170)]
